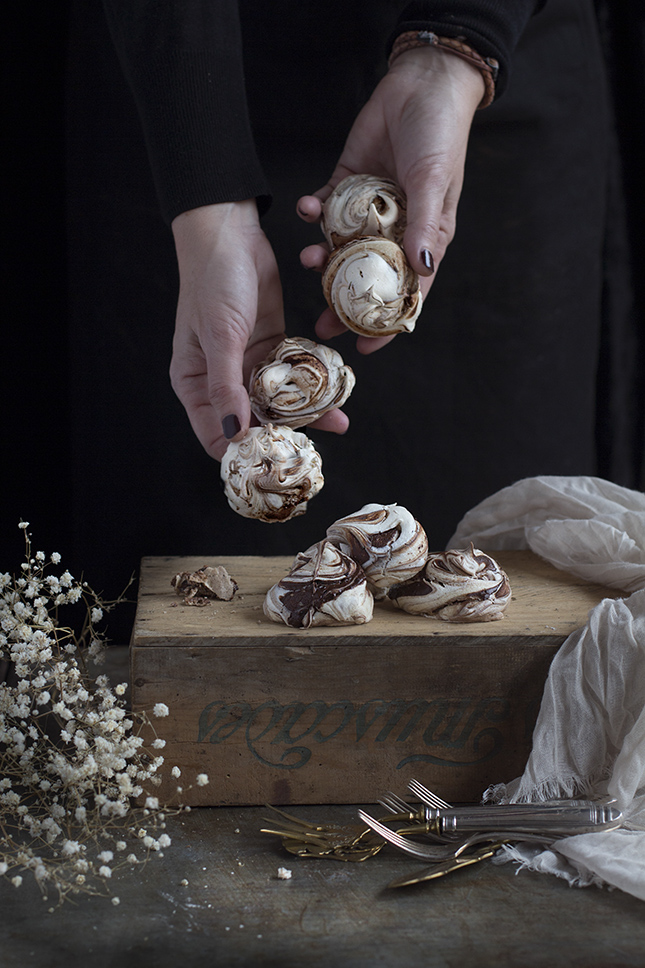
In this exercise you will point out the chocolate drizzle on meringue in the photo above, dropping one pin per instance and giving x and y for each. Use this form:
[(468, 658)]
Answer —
[(385, 539), (323, 587), (362, 205), (456, 586), (372, 288), (299, 382), (271, 473)]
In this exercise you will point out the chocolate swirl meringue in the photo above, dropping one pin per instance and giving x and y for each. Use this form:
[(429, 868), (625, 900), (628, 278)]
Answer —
[(372, 288), (363, 205), (323, 587), (386, 540), (298, 382), (271, 473), (456, 586)]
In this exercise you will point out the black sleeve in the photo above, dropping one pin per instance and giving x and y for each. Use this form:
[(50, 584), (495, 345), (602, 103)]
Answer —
[(491, 27), (183, 62)]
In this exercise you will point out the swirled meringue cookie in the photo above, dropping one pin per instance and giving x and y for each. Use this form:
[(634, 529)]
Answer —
[(372, 288), (363, 205), (271, 473), (386, 540), (456, 586), (298, 382), (323, 587)]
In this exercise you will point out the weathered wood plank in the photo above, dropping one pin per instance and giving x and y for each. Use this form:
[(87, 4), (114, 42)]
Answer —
[(545, 601)]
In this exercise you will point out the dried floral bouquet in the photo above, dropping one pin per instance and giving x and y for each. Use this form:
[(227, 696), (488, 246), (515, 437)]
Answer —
[(73, 763)]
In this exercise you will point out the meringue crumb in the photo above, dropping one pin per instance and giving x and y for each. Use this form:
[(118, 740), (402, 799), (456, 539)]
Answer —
[(184, 882), (284, 874)]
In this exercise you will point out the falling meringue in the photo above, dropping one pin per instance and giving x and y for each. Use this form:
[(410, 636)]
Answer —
[(372, 288), (298, 382), (271, 473), (456, 586), (324, 587), (386, 540), (363, 205)]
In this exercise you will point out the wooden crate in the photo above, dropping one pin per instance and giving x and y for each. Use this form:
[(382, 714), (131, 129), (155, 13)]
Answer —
[(340, 715)]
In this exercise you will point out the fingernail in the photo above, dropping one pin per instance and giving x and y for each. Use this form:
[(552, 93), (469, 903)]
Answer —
[(230, 426), (426, 258)]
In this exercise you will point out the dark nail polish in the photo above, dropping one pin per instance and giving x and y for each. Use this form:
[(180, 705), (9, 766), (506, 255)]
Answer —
[(230, 426), (426, 258)]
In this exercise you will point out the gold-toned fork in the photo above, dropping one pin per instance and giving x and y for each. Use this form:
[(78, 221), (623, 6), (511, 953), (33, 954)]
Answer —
[(441, 868), (348, 842)]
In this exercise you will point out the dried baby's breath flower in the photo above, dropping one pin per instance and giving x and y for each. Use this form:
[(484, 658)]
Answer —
[(73, 763)]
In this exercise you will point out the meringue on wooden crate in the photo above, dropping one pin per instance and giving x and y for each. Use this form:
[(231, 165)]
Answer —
[(337, 714)]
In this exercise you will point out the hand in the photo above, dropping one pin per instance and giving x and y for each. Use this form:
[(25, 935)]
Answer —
[(229, 317), (414, 129)]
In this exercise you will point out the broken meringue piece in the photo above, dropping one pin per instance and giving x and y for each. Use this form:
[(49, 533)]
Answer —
[(207, 583), (323, 587), (386, 540), (363, 205), (298, 382), (372, 288), (271, 473), (456, 586)]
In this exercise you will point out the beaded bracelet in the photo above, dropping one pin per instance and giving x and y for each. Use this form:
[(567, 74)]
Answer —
[(488, 66)]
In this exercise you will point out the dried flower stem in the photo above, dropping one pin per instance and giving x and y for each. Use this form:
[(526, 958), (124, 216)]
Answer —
[(74, 766)]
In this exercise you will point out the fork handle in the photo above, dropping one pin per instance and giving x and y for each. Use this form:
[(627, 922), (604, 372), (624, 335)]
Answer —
[(562, 819)]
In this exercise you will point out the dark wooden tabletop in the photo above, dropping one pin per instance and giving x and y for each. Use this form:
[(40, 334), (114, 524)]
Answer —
[(235, 910)]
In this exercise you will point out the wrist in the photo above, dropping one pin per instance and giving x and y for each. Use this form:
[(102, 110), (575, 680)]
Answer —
[(200, 229), (209, 219), (424, 50)]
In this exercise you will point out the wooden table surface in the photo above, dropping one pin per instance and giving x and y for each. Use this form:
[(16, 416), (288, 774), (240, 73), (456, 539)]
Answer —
[(235, 911)]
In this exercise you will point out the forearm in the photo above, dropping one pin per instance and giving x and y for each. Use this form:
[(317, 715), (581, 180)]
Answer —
[(183, 62)]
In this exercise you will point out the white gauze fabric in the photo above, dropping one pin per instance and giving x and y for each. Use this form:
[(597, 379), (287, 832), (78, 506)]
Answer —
[(589, 738)]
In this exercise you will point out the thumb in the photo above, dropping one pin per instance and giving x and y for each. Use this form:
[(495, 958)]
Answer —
[(430, 220)]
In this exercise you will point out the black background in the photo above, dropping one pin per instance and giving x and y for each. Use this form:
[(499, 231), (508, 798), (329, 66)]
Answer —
[(527, 358)]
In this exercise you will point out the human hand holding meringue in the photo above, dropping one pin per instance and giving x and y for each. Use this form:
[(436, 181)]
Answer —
[(414, 130), (229, 317)]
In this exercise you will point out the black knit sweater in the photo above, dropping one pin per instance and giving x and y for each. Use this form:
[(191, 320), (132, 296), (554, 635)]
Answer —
[(183, 62)]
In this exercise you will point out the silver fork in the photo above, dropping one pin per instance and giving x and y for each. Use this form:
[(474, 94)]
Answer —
[(399, 807), (405, 811), (446, 851), (427, 796)]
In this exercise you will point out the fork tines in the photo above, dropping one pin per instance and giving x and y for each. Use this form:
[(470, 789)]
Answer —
[(427, 796), (396, 805)]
